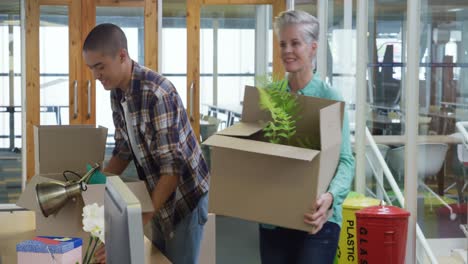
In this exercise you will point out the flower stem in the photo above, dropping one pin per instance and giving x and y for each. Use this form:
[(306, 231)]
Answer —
[(85, 259), (96, 243)]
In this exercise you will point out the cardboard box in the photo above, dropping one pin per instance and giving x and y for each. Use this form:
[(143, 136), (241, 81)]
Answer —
[(60, 148), (271, 183)]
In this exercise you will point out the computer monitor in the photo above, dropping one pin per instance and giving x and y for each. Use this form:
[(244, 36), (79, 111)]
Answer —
[(123, 224)]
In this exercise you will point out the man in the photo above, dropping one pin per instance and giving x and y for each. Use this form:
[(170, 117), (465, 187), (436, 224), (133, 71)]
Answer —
[(153, 130)]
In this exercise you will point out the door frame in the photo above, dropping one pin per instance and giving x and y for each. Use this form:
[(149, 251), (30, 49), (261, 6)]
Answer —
[(82, 18), (193, 50)]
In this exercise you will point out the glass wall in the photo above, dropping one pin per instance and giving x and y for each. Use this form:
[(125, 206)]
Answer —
[(227, 52), (10, 102), (387, 22), (174, 46), (440, 160), (54, 65), (228, 55), (385, 113), (443, 101)]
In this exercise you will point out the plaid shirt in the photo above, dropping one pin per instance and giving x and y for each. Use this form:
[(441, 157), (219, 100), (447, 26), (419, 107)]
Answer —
[(165, 140)]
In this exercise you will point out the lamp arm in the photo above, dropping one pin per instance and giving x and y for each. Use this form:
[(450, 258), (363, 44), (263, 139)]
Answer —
[(86, 177)]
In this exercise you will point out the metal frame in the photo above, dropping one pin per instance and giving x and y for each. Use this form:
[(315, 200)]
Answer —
[(361, 89), (411, 121)]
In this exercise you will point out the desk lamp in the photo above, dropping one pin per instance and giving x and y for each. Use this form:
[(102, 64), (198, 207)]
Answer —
[(53, 195)]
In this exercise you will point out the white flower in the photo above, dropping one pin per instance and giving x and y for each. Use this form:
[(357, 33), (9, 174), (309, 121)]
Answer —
[(93, 220)]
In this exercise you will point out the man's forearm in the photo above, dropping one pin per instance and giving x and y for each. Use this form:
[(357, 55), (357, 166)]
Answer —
[(164, 188), (116, 165)]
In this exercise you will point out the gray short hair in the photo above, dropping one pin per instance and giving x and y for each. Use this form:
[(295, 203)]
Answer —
[(309, 25)]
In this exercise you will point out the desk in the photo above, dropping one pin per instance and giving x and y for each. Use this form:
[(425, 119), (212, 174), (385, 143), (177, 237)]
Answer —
[(443, 122), (20, 225), (400, 139), (388, 125), (232, 112)]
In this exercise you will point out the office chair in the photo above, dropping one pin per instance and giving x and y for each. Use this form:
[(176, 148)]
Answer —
[(462, 155), (431, 158), (462, 163), (211, 126)]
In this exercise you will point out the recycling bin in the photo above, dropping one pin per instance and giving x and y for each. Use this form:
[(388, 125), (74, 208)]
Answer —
[(381, 234), (347, 245)]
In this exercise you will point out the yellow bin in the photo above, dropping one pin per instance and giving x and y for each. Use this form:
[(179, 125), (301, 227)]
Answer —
[(347, 245)]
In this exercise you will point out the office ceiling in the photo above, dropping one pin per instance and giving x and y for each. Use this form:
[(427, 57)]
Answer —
[(440, 10)]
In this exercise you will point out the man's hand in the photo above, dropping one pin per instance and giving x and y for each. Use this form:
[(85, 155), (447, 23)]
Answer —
[(146, 217), (100, 254), (318, 218), (166, 185)]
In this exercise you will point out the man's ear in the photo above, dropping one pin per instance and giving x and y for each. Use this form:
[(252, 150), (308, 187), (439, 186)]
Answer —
[(123, 55)]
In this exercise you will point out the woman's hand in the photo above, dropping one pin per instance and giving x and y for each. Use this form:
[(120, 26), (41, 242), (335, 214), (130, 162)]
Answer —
[(320, 216), (100, 254)]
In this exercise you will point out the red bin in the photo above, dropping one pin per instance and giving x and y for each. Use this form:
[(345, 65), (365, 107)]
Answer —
[(381, 234)]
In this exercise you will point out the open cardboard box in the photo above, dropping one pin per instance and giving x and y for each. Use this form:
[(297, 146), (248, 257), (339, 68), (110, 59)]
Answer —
[(60, 148), (271, 183)]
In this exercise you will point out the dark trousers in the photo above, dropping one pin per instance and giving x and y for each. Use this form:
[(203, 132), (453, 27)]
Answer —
[(288, 246)]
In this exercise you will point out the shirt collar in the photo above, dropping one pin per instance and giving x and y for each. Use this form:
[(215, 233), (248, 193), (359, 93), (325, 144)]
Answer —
[(310, 87), (137, 76)]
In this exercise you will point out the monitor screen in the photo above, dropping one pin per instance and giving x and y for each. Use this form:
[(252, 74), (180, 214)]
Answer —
[(123, 224)]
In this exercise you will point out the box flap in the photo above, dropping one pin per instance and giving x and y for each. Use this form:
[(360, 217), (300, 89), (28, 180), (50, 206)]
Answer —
[(260, 147), (318, 121), (60, 148), (242, 129), (308, 124), (251, 111), (331, 125), (28, 198), (95, 194)]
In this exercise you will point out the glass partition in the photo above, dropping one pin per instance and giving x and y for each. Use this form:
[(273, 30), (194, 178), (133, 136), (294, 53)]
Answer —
[(10, 102), (54, 71)]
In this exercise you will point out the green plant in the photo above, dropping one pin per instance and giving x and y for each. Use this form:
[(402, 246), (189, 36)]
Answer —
[(283, 107)]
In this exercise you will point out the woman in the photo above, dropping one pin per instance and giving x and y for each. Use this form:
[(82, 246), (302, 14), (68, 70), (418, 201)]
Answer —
[(298, 32)]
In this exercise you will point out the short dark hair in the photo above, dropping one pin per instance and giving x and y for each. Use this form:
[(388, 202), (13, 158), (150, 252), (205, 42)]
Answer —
[(107, 38)]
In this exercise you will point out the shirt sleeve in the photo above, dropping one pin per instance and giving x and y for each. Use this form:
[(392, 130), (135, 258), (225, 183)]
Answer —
[(121, 149), (165, 113)]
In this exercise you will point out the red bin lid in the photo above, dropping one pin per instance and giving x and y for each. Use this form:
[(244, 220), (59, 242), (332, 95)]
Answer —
[(385, 211)]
